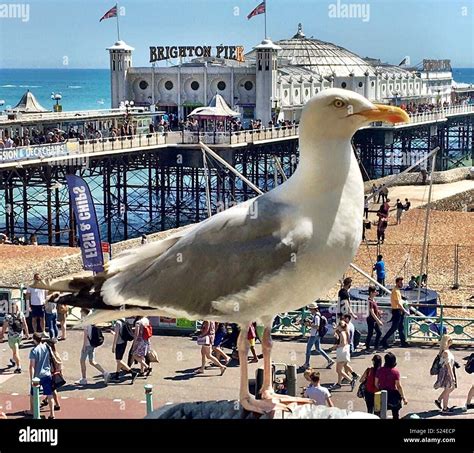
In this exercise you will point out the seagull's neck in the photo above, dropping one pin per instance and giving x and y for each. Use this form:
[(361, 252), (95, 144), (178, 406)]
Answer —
[(324, 162)]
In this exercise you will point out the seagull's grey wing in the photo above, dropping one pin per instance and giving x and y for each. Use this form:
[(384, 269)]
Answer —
[(226, 254)]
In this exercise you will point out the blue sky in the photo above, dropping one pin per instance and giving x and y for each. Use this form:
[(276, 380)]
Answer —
[(59, 31)]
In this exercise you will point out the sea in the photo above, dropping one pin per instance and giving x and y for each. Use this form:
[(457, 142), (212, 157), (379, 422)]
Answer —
[(86, 89), (81, 89)]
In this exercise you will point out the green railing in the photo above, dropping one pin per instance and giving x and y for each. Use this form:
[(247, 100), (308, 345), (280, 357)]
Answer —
[(418, 327), (432, 328)]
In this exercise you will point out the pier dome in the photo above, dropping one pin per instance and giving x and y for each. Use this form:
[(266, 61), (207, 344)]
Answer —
[(320, 57)]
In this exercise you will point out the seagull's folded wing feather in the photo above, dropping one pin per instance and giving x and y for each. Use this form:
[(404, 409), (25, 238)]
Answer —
[(224, 255)]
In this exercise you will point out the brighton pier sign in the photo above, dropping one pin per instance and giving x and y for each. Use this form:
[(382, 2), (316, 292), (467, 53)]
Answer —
[(226, 52)]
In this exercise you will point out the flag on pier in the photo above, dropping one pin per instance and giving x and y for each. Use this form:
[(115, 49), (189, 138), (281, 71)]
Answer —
[(112, 12), (260, 9)]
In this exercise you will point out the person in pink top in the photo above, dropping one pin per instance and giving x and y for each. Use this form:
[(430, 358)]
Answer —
[(388, 378), (206, 339)]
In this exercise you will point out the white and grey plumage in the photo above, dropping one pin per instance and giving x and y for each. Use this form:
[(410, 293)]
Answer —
[(272, 254)]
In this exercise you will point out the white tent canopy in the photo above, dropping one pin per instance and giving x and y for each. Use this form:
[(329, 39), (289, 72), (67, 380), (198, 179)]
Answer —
[(28, 104), (217, 109)]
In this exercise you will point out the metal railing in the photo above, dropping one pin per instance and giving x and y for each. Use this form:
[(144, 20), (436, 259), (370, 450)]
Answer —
[(433, 115), (432, 328), (121, 143), (239, 137), (418, 327)]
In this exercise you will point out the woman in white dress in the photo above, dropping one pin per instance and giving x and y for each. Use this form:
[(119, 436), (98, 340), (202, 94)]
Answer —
[(343, 353), (446, 378)]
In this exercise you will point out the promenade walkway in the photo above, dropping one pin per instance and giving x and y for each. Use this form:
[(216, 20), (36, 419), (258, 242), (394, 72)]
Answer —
[(174, 380)]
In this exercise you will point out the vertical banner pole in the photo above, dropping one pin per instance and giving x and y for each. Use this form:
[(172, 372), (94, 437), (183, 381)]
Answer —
[(118, 25)]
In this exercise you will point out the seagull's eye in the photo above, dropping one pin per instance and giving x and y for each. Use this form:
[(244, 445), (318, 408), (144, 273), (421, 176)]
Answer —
[(338, 103)]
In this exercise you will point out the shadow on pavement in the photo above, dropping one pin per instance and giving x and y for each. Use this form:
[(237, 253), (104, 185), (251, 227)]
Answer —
[(185, 375)]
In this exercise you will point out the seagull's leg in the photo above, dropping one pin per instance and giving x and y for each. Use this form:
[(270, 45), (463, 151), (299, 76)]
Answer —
[(267, 391), (247, 401)]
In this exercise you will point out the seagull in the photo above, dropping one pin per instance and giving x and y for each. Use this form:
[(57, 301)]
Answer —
[(274, 253)]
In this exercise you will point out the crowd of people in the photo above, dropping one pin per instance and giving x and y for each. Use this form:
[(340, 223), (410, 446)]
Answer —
[(45, 364), (18, 240), (383, 212), (45, 312), (413, 108), (383, 373)]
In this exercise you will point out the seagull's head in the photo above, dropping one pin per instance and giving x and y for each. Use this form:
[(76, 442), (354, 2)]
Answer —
[(339, 113)]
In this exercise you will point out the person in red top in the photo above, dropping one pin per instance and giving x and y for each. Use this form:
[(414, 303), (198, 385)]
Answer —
[(374, 321), (368, 378), (388, 378)]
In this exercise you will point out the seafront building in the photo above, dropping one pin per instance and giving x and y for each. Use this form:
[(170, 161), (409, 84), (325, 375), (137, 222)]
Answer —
[(275, 80)]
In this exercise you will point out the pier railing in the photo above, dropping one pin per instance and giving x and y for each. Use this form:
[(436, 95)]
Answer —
[(121, 143), (235, 138), (434, 115)]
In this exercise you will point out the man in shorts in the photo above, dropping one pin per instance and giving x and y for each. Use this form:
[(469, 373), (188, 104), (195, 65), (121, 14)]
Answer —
[(16, 328), (36, 299), (118, 348), (88, 352), (40, 367)]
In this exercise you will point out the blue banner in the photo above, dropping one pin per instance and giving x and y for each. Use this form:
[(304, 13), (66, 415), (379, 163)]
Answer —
[(86, 219)]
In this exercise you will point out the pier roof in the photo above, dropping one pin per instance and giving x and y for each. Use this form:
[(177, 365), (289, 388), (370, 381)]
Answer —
[(28, 104)]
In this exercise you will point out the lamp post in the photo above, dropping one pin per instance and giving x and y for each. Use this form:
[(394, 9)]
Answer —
[(57, 97), (128, 106)]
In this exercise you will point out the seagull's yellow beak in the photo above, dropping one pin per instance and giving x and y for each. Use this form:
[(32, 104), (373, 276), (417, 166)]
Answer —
[(387, 113)]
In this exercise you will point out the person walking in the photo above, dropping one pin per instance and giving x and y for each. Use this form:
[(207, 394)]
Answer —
[(62, 310), (379, 268), (88, 352), (343, 355), (52, 315), (56, 367), (381, 227), (398, 315), (446, 378), (141, 344), (400, 209), (205, 340), (384, 193), (407, 205), (368, 379), (314, 339), (344, 300), (315, 391), (366, 207), (40, 367), (15, 326), (379, 194), (123, 333), (252, 336), (388, 378), (374, 321), (36, 299), (221, 333)]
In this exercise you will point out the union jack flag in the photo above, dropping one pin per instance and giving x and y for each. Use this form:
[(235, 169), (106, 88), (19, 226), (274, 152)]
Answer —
[(260, 9), (112, 12)]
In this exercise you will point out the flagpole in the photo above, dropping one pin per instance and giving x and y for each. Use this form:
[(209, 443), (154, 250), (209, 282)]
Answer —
[(265, 3), (118, 26)]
